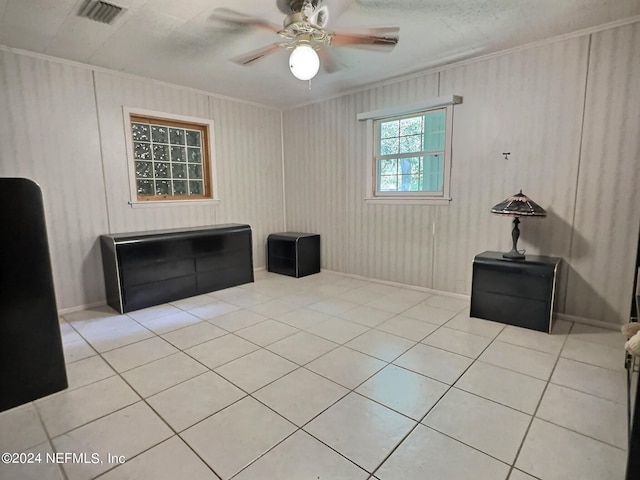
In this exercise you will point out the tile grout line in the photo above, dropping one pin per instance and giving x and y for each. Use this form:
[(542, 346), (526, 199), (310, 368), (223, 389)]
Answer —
[(248, 394), (384, 460), (544, 390), (298, 366), (143, 400)]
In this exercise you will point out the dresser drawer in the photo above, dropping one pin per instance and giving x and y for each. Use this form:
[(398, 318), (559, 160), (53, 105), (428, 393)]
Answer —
[(156, 271), (140, 296), (152, 252)]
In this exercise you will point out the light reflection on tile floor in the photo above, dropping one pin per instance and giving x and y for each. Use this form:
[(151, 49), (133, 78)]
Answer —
[(326, 377)]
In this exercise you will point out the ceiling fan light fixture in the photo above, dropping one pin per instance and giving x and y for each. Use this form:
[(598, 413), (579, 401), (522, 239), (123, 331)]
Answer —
[(304, 62)]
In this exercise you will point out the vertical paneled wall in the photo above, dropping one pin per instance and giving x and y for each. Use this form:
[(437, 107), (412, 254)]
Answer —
[(316, 176), (568, 113), (528, 103), (607, 218), (49, 134), (63, 127), (391, 242), (249, 151)]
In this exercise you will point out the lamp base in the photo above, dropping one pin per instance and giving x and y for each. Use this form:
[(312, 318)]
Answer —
[(514, 255)]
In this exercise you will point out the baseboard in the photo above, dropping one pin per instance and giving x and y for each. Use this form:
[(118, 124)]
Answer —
[(398, 284), (587, 321), (558, 316), (65, 311)]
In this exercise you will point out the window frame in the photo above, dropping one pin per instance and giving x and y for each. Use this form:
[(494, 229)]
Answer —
[(372, 194), (206, 126)]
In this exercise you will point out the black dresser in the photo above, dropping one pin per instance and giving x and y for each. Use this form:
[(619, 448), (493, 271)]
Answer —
[(516, 292), (149, 268)]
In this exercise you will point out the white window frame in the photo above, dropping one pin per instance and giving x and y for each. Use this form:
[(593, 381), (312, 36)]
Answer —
[(409, 198), (133, 194)]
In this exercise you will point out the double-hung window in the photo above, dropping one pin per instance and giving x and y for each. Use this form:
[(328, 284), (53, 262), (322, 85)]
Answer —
[(410, 153)]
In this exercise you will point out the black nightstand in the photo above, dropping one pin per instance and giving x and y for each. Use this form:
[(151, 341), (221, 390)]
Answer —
[(516, 292), (293, 253)]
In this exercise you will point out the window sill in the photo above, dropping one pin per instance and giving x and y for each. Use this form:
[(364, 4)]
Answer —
[(174, 203), (406, 201)]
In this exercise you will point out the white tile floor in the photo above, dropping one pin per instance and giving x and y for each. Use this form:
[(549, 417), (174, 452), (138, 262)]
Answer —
[(325, 377)]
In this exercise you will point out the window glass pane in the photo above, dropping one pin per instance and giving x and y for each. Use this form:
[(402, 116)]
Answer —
[(161, 153), (434, 131), (144, 170), (195, 188), (388, 166), (411, 165), (176, 136), (142, 151), (145, 187), (389, 146), (410, 183), (178, 154), (195, 172), (389, 129), (416, 183), (406, 166), (161, 169), (179, 170), (140, 132), (159, 134), (389, 183), (411, 126), (180, 187), (193, 138), (412, 143), (433, 173), (163, 187), (194, 155)]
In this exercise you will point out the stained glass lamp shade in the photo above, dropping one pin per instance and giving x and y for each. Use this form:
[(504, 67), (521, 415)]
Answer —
[(518, 205)]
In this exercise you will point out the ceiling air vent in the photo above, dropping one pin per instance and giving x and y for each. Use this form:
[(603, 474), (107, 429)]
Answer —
[(100, 11)]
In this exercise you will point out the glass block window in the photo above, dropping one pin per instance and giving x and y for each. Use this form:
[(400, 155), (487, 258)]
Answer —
[(409, 153), (171, 159)]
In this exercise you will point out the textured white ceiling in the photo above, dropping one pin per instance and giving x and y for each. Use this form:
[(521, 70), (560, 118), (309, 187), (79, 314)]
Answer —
[(177, 41)]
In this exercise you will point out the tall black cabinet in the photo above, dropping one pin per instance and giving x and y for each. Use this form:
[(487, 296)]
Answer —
[(31, 357)]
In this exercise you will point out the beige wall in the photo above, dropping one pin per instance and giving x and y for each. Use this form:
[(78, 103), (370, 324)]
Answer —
[(62, 126), (568, 113)]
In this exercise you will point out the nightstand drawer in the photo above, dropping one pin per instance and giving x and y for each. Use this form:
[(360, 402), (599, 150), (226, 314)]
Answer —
[(517, 282), (518, 311)]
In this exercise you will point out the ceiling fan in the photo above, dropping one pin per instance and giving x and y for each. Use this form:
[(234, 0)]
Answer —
[(304, 33)]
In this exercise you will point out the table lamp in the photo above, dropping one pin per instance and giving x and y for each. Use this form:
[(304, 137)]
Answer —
[(518, 205)]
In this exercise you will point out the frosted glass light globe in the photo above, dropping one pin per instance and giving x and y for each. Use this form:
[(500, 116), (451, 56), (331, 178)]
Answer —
[(304, 62)]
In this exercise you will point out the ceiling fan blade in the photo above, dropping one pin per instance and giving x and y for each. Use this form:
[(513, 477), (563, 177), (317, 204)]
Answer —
[(252, 57), (385, 38), (238, 19), (328, 61)]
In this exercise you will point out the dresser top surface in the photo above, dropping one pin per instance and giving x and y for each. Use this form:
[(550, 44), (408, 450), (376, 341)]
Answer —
[(176, 232), (529, 259)]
